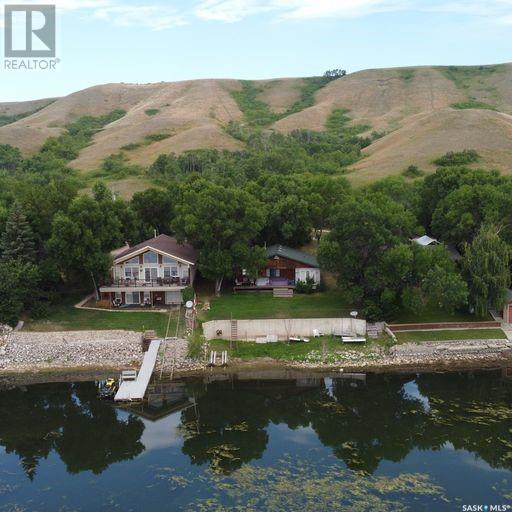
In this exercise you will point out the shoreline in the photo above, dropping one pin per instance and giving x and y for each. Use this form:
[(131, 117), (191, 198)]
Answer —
[(94, 355), (261, 369)]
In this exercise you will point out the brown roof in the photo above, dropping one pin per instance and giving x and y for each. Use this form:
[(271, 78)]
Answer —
[(165, 244)]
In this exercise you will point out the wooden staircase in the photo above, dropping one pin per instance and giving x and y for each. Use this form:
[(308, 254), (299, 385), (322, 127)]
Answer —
[(283, 292), (373, 331)]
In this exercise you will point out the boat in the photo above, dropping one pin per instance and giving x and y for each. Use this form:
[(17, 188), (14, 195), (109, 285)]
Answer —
[(107, 389)]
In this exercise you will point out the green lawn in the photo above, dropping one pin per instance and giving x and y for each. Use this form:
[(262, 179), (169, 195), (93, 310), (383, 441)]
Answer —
[(460, 334), (248, 350), (433, 315), (247, 306), (68, 318)]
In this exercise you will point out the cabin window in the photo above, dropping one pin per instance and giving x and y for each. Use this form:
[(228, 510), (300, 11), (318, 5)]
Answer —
[(133, 261), (150, 257), (168, 259)]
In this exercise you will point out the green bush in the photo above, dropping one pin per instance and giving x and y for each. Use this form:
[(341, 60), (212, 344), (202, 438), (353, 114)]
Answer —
[(412, 172), (152, 111), (463, 105), (131, 146), (308, 286), (156, 137), (188, 293), (451, 159)]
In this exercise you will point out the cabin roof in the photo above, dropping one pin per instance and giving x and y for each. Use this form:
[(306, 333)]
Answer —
[(292, 254), (163, 244)]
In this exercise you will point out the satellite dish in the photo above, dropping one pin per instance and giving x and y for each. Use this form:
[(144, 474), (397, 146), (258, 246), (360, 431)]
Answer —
[(189, 304), (354, 314)]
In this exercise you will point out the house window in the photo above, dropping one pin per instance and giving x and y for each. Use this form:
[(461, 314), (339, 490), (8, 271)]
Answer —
[(133, 261), (170, 271), (168, 259), (119, 297), (150, 274), (147, 298), (150, 257), (132, 298), (131, 273)]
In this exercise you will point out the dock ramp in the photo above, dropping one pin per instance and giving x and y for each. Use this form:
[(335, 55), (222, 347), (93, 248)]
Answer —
[(136, 389)]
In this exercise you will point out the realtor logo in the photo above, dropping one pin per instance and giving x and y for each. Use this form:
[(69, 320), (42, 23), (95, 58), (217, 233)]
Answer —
[(29, 31)]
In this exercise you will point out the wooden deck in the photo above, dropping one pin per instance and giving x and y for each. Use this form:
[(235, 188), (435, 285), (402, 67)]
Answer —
[(136, 389)]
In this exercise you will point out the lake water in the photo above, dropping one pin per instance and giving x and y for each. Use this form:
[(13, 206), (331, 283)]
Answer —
[(380, 443)]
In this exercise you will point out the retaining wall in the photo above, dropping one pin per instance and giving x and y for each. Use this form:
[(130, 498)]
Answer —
[(444, 325), (249, 330)]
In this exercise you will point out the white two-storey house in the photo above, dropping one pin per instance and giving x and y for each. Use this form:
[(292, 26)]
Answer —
[(152, 273)]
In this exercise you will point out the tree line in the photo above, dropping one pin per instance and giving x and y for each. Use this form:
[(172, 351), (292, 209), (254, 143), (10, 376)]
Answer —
[(287, 189)]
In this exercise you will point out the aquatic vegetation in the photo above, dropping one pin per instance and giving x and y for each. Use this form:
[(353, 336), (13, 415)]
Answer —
[(296, 484)]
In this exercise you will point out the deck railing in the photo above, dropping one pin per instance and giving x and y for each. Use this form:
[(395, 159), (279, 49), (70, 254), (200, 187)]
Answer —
[(151, 283)]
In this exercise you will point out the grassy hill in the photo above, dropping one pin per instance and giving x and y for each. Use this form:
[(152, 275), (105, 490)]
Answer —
[(420, 113)]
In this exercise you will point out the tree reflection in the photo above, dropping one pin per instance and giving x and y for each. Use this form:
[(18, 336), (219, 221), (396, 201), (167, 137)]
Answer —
[(86, 433), (363, 423)]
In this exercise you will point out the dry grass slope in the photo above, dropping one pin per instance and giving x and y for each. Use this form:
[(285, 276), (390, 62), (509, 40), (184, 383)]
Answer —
[(413, 106)]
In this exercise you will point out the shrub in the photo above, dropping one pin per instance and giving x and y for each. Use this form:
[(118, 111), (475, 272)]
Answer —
[(412, 172), (468, 156), (156, 137), (131, 146), (152, 111), (463, 105), (308, 286), (188, 293)]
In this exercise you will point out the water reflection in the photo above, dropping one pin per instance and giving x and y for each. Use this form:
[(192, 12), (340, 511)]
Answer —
[(86, 433), (226, 424)]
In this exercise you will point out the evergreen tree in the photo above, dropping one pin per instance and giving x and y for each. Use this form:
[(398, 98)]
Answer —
[(486, 262), (17, 241)]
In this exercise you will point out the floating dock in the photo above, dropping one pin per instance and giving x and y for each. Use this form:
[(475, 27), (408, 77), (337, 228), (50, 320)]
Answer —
[(136, 389)]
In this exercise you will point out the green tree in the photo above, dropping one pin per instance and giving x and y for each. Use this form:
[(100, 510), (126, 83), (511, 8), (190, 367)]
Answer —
[(82, 238), (153, 209), (486, 261), (364, 229), (10, 157), (17, 241), (460, 214), (222, 222), (324, 196), (18, 288)]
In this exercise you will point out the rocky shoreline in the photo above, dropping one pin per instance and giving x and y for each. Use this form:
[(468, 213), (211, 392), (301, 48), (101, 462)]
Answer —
[(88, 355)]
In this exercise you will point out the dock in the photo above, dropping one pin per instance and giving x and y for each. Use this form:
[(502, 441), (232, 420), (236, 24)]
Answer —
[(131, 390)]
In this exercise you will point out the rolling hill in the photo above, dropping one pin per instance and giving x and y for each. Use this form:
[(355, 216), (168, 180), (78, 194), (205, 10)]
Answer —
[(420, 113)]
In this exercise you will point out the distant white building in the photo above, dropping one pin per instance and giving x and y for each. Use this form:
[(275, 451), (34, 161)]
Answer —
[(427, 241)]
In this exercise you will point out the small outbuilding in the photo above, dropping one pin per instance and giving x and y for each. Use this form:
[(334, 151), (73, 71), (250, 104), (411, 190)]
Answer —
[(507, 308)]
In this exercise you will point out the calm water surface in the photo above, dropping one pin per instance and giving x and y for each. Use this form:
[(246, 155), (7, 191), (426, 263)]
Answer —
[(383, 443)]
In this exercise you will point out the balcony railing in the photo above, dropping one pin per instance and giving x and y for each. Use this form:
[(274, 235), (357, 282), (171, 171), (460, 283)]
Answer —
[(152, 283)]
